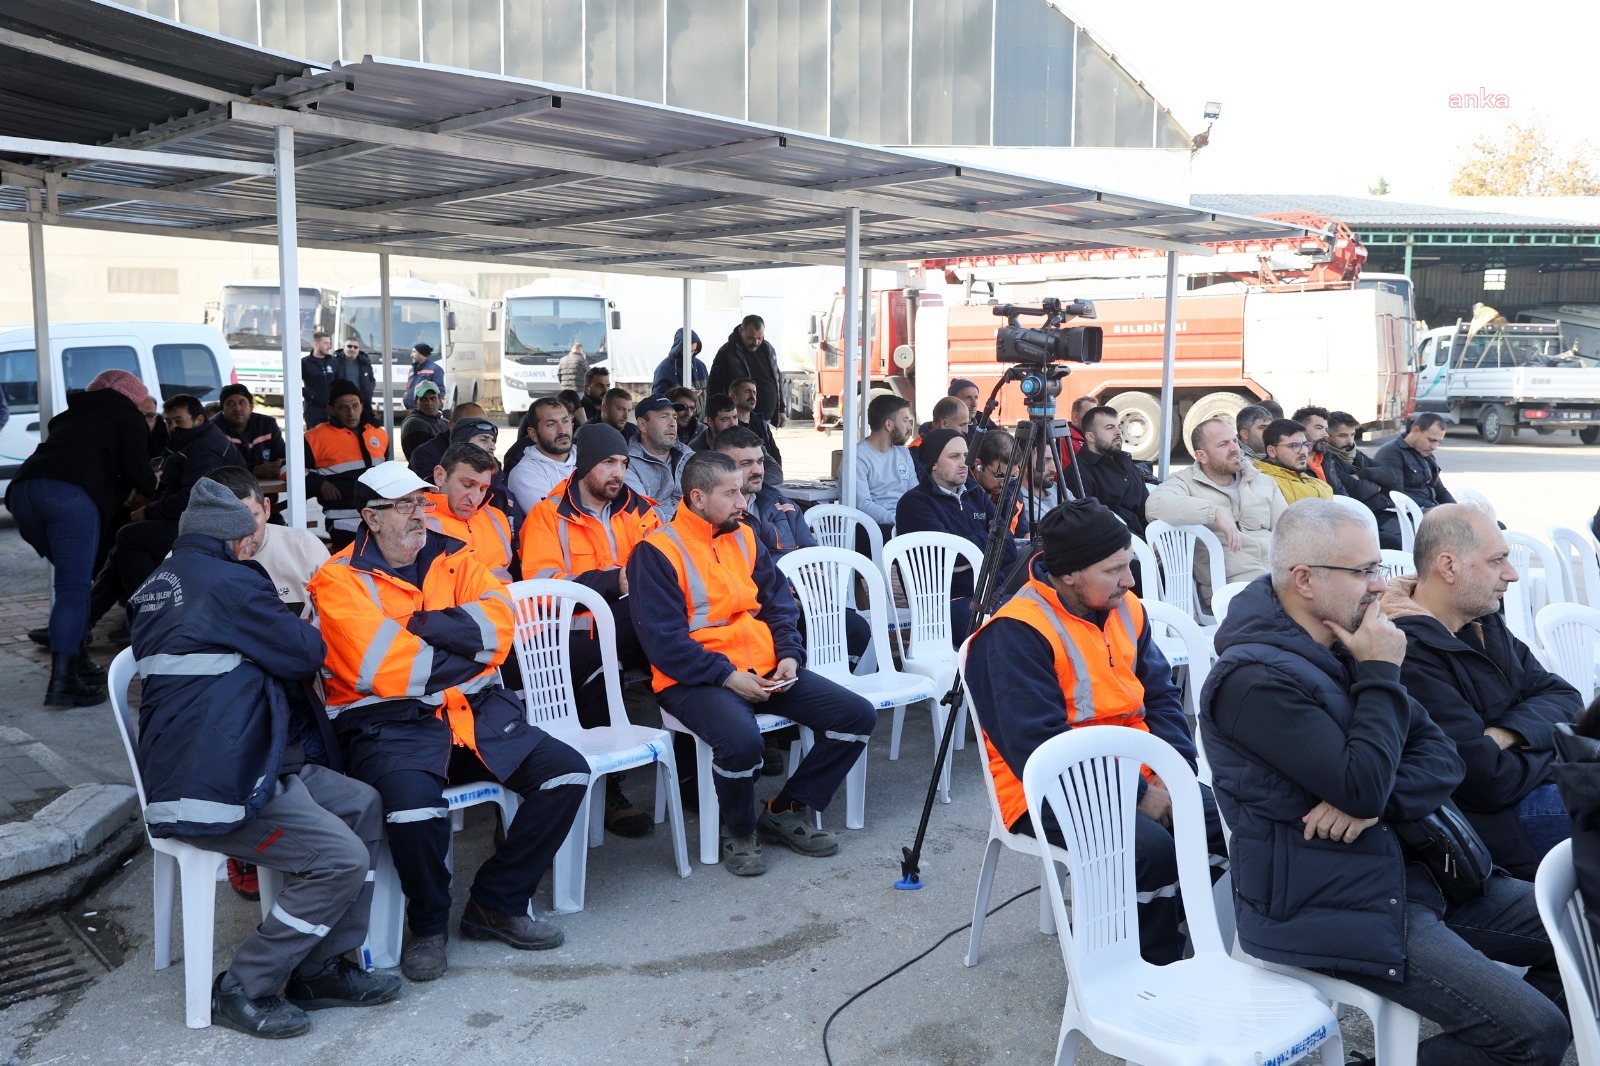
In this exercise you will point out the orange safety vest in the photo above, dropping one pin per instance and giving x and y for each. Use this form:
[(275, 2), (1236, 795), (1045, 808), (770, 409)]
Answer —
[(716, 574), (1094, 667), (487, 532), (336, 450), (373, 657), (560, 539)]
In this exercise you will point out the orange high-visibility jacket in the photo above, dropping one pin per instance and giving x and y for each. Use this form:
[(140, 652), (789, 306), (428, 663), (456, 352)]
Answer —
[(560, 539), (487, 532), (390, 640), (1095, 668), (335, 453)]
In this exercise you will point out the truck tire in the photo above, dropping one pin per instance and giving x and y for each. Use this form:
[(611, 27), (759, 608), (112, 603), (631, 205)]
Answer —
[(1589, 434), (1492, 425), (1140, 414), (1223, 405)]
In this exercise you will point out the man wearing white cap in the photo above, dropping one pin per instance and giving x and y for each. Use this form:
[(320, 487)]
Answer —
[(416, 627)]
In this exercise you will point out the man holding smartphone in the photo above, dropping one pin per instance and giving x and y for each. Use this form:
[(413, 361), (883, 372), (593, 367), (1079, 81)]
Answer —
[(717, 622)]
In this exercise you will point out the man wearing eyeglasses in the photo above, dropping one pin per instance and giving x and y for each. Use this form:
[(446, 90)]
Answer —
[(1319, 759), (353, 365), (416, 628), (1286, 459)]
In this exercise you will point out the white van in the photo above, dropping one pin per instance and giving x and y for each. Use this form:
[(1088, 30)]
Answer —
[(169, 357)]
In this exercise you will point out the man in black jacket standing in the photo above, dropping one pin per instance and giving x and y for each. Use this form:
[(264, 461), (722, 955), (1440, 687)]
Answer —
[(748, 354), (1482, 685), (221, 656), (1317, 757), (1109, 474)]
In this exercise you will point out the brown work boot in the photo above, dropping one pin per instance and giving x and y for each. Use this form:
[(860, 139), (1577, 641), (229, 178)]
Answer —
[(424, 958), (520, 931)]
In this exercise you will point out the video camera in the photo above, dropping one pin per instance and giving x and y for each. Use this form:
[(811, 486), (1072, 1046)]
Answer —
[(1051, 343)]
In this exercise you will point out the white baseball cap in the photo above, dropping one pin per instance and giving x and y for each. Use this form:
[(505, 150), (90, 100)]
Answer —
[(393, 480)]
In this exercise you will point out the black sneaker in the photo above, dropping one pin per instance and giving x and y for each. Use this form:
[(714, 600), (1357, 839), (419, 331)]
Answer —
[(340, 983), (270, 1017)]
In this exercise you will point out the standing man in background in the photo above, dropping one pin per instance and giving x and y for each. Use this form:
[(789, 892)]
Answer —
[(423, 368), (317, 372), (747, 354)]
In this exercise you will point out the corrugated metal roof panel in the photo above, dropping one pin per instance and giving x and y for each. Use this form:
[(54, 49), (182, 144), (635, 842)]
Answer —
[(1359, 211)]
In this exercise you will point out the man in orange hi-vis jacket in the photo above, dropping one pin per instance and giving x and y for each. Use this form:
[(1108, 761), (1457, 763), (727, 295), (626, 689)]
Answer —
[(461, 507), (415, 627)]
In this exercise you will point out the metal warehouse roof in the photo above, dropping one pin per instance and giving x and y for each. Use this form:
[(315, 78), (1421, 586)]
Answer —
[(1360, 212), (400, 157)]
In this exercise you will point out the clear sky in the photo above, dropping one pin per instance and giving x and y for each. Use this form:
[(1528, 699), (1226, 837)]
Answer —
[(1326, 97)]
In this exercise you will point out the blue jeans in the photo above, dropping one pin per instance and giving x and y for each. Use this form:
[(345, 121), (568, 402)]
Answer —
[(1453, 976), (1545, 820), (60, 521)]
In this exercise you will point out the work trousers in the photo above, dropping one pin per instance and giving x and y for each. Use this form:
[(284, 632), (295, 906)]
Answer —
[(841, 720), (551, 781), (322, 829), (61, 522), (1490, 1016), (584, 650), (1155, 875)]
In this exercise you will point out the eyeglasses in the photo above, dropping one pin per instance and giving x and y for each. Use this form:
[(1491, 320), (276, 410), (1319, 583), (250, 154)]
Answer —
[(1299, 446), (406, 507), (352, 347), (1368, 572)]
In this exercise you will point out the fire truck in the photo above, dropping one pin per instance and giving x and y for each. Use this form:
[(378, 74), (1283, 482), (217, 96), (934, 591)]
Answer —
[(1290, 320)]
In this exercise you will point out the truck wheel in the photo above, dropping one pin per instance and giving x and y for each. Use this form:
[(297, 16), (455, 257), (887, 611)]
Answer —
[(1492, 425), (1140, 414), (1223, 405), (1589, 434)]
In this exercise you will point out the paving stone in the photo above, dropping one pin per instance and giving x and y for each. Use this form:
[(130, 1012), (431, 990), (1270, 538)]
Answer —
[(89, 814), (26, 847)]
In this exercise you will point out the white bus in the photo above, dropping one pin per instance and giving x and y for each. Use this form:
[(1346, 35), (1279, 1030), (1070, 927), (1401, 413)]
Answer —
[(250, 315), (543, 321), (456, 324)]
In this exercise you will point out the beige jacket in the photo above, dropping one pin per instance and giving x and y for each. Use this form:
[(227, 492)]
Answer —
[(1189, 498)]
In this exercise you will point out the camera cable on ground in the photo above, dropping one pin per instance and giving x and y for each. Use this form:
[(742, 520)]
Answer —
[(826, 1054)]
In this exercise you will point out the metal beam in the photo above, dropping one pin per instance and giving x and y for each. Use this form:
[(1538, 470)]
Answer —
[(386, 339), (106, 65), (311, 96), (520, 109), (41, 327), (1149, 220), (1166, 433), (1057, 199), (731, 150), (878, 181), (99, 153), (482, 192), (289, 290), (553, 159)]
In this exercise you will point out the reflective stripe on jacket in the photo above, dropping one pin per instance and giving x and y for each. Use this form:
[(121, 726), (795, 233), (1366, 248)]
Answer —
[(487, 532), (560, 539), (1094, 667), (335, 453)]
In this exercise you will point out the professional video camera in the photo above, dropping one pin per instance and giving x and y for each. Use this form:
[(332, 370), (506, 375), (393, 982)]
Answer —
[(1051, 343)]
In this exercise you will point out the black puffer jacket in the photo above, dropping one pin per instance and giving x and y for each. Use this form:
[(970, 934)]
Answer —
[(1115, 480), (1397, 467), (192, 454), (98, 442)]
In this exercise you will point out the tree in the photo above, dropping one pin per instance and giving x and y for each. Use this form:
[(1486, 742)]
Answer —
[(1380, 189), (1521, 161)]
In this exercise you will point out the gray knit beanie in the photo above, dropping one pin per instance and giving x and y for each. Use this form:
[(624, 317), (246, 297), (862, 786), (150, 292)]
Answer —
[(216, 512)]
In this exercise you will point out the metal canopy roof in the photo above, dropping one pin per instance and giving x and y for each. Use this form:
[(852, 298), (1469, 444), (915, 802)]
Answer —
[(422, 161)]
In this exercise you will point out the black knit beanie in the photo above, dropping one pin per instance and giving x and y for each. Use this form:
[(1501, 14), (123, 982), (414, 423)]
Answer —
[(1080, 533), (596, 442)]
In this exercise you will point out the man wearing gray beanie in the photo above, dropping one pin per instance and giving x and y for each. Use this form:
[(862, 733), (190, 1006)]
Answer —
[(236, 759), (1073, 649)]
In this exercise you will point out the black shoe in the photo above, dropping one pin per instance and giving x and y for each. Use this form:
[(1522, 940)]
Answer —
[(67, 688), (40, 636), (88, 669), (339, 983), (270, 1017), (520, 931), (424, 958), (622, 817), (774, 760)]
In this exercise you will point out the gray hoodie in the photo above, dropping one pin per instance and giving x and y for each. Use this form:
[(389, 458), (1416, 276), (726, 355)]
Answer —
[(536, 474), (656, 478)]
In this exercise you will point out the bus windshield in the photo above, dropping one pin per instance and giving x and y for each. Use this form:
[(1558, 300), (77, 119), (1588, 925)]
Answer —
[(412, 321), (253, 317), (542, 329)]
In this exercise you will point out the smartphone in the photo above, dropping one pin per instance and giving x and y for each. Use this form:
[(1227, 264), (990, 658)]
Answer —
[(778, 686)]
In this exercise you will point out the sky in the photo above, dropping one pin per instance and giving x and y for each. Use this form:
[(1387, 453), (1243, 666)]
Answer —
[(1326, 98)]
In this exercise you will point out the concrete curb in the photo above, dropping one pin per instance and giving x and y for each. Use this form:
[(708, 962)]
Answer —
[(65, 832)]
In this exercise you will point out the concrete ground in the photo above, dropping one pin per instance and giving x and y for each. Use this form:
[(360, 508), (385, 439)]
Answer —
[(659, 969)]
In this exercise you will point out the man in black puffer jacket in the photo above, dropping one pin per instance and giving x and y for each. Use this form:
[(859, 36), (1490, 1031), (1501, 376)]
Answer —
[(229, 750), (1317, 755)]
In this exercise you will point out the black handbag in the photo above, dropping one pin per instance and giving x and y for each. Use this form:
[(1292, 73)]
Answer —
[(1453, 852)]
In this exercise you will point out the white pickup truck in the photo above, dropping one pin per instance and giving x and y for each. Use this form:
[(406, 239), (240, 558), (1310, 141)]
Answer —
[(1507, 378)]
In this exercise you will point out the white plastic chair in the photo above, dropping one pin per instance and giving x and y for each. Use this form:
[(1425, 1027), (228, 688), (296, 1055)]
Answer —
[(834, 525), (824, 581), (1474, 499), (1410, 516), (1149, 570), (1200, 652), (1576, 551), (1360, 510), (1534, 589), (543, 613), (1000, 838), (1396, 563), (1203, 1009), (927, 564), (1175, 548), (1570, 635), (183, 866), (1222, 598), (710, 812), (1555, 889)]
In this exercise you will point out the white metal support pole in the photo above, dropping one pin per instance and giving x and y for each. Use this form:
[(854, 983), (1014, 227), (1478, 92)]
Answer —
[(388, 352), (866, 345), (1169, 341), (688, 334), (289, 285), (847, 340), (41, 327)]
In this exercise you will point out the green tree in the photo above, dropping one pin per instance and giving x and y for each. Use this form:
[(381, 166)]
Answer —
[(1381, 188), (1521, 161)]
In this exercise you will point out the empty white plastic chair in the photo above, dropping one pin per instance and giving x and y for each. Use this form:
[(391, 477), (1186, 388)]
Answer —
[(1570, 635), (1576, 551), (543, 614), (1175, 549), (1410, 516), (183, 866), (1222, 598), (834, 525), (1361, 510), (824, 580), (1555, 888), (1474, 499), (1536, 586), (1396, 563), (1203, 1009), (927, 565)]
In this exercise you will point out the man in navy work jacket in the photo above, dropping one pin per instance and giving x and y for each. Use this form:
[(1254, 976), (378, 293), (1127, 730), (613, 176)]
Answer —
[(1317, 756), (230, 751)]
